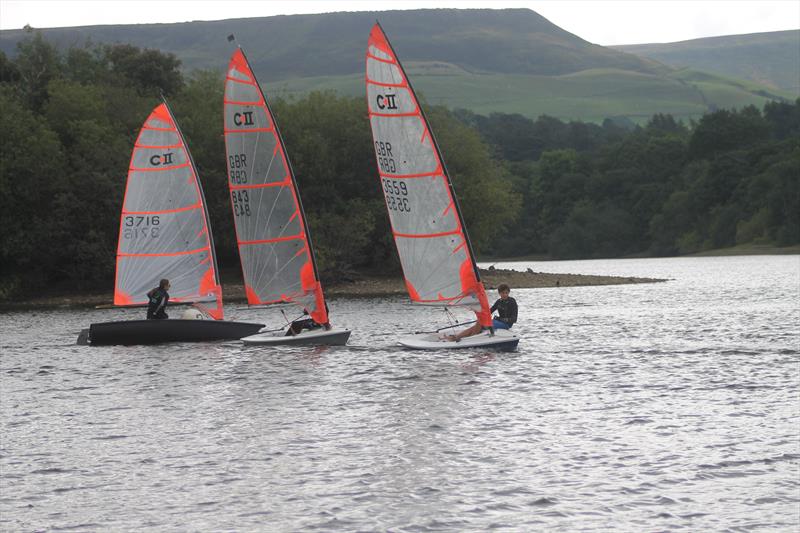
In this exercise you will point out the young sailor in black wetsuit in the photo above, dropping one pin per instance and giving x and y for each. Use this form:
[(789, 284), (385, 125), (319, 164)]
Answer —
[(158, 301), (506, 308), (306, 323)]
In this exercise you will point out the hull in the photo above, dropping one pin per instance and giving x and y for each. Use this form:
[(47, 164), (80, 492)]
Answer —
[(501, 340), (131, 332), (331, 337)]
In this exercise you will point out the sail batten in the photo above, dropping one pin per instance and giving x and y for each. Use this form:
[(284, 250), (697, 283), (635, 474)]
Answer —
[(164, 223), (271, 231), (432, 242)]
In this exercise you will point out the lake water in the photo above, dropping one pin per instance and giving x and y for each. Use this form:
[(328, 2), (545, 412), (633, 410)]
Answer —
[(650, 407)]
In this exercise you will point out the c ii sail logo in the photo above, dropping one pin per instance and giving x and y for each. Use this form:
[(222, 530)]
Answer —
[(386, 101), (247, 116), (161, 159)]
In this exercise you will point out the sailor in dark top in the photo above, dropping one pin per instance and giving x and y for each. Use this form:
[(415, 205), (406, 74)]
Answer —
[(306, 323), (506, 308), (158, 301)]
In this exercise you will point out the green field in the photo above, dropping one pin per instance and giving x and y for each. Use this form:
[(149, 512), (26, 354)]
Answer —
[(771, 59), (590, 95)]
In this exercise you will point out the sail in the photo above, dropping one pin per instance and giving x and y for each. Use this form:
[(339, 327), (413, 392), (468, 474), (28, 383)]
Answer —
[(432, 242), (274, 245), (164, 229)]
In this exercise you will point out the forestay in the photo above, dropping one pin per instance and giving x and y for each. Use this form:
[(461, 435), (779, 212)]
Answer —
[(433, 245), (274, 246), (164, 230)]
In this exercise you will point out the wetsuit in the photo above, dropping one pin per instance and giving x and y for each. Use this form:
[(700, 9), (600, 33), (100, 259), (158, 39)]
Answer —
[(305, 323), (299, 325), (157, 304), (507, 311)]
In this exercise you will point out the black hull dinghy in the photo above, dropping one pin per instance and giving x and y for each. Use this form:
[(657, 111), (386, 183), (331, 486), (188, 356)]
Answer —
[(130, 332), (164, 232)]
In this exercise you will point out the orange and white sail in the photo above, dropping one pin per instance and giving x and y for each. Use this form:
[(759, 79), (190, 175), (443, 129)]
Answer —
[(164, 229), (434, 248), (274, 244)]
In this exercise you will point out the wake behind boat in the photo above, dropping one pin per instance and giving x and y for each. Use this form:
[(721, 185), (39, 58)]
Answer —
[(164, 233), (275, 247), (435, 252)]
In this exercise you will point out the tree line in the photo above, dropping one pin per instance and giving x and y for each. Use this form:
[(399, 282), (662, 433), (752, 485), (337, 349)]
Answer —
[(564, 190), (664, 188)]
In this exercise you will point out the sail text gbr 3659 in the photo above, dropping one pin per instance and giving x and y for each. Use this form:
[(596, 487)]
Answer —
[(432, 242)]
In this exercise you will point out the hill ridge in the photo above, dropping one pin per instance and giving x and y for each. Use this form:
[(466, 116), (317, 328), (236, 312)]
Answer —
[(508, 60), (769, 58), (333, 43)]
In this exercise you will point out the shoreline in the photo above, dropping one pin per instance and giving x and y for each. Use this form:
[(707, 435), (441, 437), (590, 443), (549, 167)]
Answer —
[(741, 249), (367, 286)]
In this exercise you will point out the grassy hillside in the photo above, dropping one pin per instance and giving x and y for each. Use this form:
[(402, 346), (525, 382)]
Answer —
[(771, 59), (589, 95), (510, 60), (478, 40)]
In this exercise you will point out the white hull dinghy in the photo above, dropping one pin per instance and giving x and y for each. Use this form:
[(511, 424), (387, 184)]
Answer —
[(435, 252), (275, 246), (502, 339), (307, 337)]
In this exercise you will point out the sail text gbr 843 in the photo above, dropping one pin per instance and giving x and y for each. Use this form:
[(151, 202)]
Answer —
[(274, 244), (432, 242), (164, 230)]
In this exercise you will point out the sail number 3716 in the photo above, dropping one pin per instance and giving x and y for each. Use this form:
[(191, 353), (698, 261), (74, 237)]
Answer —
[(140, 226)]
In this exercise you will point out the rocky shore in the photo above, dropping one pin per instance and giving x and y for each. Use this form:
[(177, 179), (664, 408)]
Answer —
[(491, 279), (362, 287)]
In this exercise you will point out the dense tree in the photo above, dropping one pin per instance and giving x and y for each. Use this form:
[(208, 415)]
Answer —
[(784, 119), (151, 71), (726, 130), (543, 186), (722, 182), (31, 176), (37, 63), (329, 144), (488, 202), (9, 73)]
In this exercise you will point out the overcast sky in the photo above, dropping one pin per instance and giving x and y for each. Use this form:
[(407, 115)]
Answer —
[(601, 22)]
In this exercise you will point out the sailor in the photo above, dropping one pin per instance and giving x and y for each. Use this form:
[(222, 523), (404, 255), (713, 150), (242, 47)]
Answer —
[(506, 308), (306, 323), (158, 299)]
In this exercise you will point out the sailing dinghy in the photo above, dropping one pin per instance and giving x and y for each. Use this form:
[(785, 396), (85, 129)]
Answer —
[(164, 232), (432, 242), (274, 244)]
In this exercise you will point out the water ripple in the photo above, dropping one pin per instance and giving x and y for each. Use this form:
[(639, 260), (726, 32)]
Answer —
[(628, 408)]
